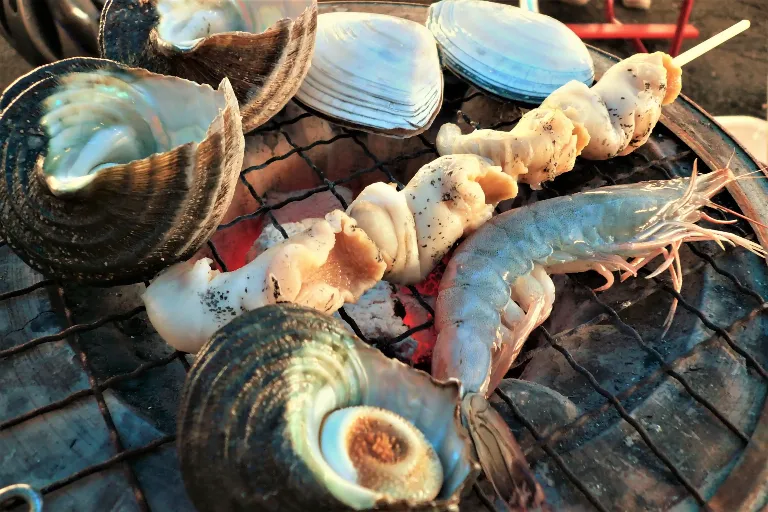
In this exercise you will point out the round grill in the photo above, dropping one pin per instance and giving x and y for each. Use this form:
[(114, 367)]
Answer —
[(610, 416)]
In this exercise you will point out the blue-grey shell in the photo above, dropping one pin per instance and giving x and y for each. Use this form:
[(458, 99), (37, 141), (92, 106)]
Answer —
[(507, 51)]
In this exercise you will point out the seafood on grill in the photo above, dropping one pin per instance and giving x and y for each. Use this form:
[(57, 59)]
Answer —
[(264, 46), (315, 419), (375, 73), (496, 288), (108, 174), (509, 52), (612, 118), (446, 199), (331, 263), (543, 145)]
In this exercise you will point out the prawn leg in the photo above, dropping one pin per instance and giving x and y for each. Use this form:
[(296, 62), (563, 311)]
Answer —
[(530, 304)]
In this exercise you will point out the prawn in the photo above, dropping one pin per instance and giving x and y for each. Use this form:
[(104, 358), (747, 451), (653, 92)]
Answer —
[(497, 287)]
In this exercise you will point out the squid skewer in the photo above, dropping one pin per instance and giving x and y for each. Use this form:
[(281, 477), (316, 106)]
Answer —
[(612, 118), (384, 233)]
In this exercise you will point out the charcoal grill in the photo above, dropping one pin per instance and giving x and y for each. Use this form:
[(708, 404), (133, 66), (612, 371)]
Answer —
[(610, 416)]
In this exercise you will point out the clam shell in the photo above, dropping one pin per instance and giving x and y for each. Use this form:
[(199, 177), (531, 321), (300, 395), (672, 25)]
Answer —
[(256, 397), (130, 220), (375, 73), (507, 51), (265, 67)]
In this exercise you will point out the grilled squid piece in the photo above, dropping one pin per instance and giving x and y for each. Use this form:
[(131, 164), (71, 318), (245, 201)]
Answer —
[(612, 118), (543, 145), (285, 410), (415, 227), (620, 110), (331, 263)]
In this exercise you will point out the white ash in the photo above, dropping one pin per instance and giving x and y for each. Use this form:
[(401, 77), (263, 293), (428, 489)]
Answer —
[(379, 314)]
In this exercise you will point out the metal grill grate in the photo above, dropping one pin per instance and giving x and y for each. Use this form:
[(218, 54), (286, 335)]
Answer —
[(545, 440)]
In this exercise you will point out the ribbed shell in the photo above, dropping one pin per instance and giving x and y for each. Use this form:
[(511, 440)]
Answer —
[(373, 72), (132, 220), (253, 393), (507, 51), (265, 69)]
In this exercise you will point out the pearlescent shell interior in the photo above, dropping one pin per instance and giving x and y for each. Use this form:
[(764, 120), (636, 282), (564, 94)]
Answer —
[(507, 51), (374, 72), (264, 67), (255, 400), (132, 219)]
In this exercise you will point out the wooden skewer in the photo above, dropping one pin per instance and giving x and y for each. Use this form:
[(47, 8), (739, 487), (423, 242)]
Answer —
[(716, 40)]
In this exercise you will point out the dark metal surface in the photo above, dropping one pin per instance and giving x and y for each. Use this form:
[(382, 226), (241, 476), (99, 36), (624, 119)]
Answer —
[(44, 31), (111, 320)]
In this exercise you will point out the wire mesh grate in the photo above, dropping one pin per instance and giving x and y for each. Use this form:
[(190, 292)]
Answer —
[(545, 440)]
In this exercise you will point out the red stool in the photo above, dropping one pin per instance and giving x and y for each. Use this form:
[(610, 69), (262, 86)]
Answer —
[(614, 29)]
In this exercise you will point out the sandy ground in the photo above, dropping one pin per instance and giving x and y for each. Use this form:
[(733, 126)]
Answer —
[(730, 80)]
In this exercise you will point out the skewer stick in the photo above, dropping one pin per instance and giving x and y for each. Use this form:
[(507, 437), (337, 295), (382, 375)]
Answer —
[(716, 40)]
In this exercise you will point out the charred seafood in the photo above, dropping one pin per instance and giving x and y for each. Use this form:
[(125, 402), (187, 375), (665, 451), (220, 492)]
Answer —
[(108, 174), (285, 410), (263, 46), (330, 263), (612, 118), (375, 73)]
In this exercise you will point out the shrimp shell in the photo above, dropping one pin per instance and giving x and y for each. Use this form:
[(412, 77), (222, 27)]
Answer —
[(496, 288)]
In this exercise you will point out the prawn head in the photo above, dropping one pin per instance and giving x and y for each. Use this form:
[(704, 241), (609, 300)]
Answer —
[(500, 456)]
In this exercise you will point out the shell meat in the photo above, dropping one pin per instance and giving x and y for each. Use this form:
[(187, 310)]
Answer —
[(414, 228), (507, 51), (263, 46), (108, 174), (543, 145), (330, 263), (375, 73), (285, 410)]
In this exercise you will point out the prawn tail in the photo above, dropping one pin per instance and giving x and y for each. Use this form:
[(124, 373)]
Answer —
[(501, 458)]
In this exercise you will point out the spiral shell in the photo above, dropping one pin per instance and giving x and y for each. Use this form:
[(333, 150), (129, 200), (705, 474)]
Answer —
[(105, 177), (263, 46), (258, 394)]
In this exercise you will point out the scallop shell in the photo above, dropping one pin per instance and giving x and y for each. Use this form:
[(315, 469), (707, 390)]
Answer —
[(256, 398), (375, 73), (265, 64), (507, 51), (169, 179)]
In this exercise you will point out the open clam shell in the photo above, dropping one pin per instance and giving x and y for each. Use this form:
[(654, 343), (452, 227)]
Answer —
[(507, 51), (108, 175), (264, 47), (256, 410), (375, 73)]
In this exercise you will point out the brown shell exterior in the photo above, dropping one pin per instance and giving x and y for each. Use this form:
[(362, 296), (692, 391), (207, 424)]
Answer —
[(265, 69), (132, 220), (244, 393)]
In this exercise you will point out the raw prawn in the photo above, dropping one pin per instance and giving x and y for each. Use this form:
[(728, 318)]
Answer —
[(496, 288)]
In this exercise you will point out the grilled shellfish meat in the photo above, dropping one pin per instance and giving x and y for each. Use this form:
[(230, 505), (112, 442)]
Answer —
[(336, 259), (543, 144), (414, 228), (263, 46), (108, 175), (285, 410), (373, 72), (612, 118), (330, 263), (509, 52)]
